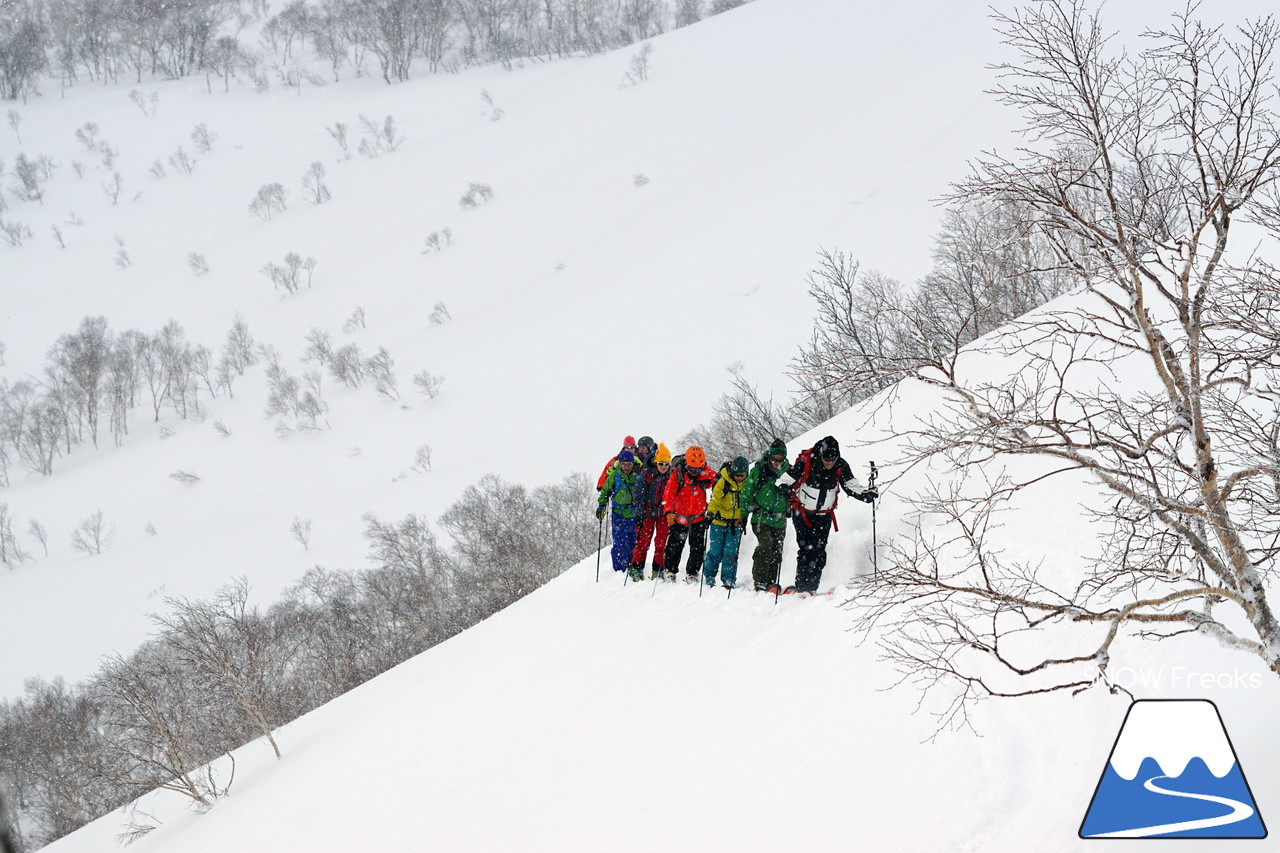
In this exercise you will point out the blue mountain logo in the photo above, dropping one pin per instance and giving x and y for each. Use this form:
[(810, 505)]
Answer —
[(1173, 773)]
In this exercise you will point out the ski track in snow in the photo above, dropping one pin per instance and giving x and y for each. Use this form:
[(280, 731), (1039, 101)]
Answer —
[(1239, 812)]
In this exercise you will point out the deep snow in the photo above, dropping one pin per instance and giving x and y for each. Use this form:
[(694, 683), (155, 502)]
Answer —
[(588, 716)]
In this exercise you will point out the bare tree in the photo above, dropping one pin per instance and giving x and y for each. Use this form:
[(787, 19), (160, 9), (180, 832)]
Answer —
[(269, 200), (428, 384), (232, 647), (93, 535), (381, 370), (203, 138), (313, 184), (155, 736), (1149, 161), (289, 274), (36, 529), (300, 529), (11, 552)]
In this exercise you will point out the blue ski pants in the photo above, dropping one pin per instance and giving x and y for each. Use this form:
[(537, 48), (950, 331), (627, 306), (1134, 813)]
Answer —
[(722, 554), (624, 541)]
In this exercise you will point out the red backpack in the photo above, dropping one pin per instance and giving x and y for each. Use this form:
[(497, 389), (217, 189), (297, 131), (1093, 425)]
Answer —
[(806, 457)]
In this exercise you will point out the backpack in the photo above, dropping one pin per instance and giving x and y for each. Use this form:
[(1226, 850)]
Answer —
[(806, 457)]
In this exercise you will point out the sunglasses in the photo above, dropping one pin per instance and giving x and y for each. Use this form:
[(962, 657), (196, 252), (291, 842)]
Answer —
[(662, 463), (776, 460)]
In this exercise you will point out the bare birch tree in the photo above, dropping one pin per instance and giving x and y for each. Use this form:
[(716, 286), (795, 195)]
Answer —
[(1139, 170), (234, 649)]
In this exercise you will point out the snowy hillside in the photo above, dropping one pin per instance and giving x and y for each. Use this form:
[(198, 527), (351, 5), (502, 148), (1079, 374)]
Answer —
[(583, 307), (601, 716), (584, 304)]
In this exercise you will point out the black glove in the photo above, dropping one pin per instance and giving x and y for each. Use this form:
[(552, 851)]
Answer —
[(742, 523), (866, 497), (600, 513), (784, 489)]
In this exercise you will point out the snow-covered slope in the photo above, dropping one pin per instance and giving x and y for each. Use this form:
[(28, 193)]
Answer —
[(584, 307), (588, 716), (602, 716)]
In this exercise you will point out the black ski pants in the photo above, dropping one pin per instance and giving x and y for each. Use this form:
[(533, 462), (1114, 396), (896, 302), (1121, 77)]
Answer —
[(696, 533), (766, 560), (812, 530)]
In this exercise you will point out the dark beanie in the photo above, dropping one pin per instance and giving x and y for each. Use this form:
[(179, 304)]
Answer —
[(739, 465), (777, 449), (626, 456), (828, 448)]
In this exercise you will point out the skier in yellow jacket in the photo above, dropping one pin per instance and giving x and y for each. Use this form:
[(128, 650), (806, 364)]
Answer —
[(728, 519)]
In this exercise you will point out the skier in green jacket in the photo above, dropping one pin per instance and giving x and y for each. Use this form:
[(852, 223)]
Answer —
[(768, 509)]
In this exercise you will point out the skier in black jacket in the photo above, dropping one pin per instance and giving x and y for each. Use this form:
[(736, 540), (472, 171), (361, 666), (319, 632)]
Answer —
[(812, 484)]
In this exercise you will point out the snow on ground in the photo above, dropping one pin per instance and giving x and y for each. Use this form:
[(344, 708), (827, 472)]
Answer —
[(584, 307), (588, 716)]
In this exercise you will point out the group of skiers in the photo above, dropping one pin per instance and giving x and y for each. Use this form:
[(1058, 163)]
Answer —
[(663, 500)]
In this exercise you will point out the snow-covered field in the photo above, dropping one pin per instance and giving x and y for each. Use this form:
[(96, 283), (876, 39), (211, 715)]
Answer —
[(584, 307)]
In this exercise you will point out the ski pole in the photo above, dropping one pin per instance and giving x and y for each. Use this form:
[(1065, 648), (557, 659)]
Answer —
[(875, 561), (599, 548)]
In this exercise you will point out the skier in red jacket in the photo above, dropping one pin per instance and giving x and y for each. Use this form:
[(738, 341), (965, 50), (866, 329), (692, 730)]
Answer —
[(685, 502)]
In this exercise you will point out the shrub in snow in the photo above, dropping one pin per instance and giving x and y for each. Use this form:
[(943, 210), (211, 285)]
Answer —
[(87, 135), (289, 274), (355, 321), (197, 263), (493, 110), (122, 258), (347, 365), (300, 529), (29, 179), (475, 195), (338, 131), (142, 102), (11, 553), (319, 347), (36, 529), (313, 185), (379, 139), (15, 233), (182, 161), (114, 188), (428, 384), (269, 200), (203, 138), (638, 67), (437, 241), (422, 459), (380, 369), (238, 351), (93, 535)]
